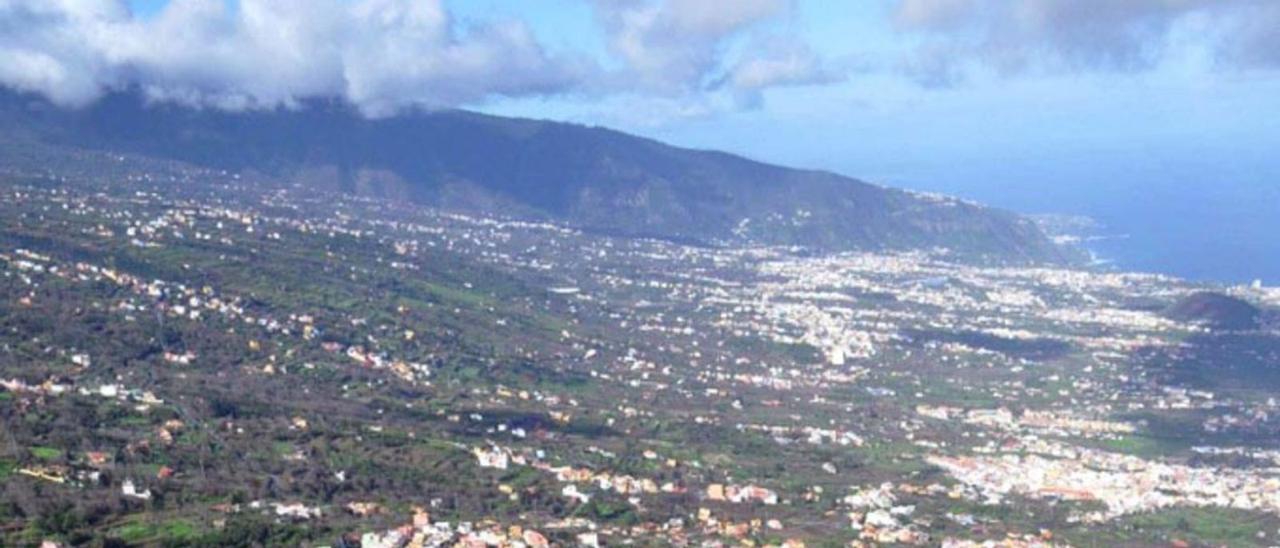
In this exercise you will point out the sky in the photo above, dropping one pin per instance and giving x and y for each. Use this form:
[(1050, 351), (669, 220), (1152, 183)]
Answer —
[(1158, 117)]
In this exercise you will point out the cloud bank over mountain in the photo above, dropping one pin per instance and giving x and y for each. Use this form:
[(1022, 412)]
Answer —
[(378, 54), (381, 55), (387, 55)]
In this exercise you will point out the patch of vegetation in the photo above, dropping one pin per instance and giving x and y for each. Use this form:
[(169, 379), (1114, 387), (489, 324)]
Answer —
[(1197, 526), (1033, 349), (764, 348), (45, 453), (1134, 445), (174, 531)]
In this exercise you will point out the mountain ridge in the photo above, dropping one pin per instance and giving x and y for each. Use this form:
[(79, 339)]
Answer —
[(588, 176)]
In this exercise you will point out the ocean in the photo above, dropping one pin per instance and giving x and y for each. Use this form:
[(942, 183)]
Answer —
[(1210, 231)]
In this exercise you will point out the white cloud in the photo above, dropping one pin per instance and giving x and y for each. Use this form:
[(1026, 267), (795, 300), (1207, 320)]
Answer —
[(1254, 39), (1074, 35), (778, 62), (685, 47), (387, 64), (381, 55), (385, 55), (51, 47)]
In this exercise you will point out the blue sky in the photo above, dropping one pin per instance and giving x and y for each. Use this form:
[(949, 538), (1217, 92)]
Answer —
[(1120, 110)]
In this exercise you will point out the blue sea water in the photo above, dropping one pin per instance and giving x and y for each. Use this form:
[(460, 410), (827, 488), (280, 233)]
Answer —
[(1206, 229), (1221, 234)]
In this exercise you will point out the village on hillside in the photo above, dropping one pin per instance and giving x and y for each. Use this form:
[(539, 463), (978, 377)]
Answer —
[(193, 357)]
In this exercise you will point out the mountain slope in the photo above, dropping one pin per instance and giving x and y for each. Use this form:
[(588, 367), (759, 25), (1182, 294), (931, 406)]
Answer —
[(1215, 310), (596, 178)]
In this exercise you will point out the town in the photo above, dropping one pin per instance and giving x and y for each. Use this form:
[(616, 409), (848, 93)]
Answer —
[(193, 356)]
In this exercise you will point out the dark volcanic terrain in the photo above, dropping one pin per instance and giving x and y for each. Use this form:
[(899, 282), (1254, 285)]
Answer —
[(1216, 311)]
